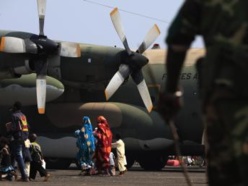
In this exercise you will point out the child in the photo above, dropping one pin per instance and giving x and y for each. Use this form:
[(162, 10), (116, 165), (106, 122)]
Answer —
[(121, 157), (112, 164), (6, 167), (37, 158)]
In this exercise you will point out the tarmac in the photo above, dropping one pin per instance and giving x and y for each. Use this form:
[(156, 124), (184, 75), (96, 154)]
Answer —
[(169, 176)]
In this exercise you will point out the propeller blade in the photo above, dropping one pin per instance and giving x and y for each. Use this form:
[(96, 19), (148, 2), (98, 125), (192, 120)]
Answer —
[(116, 19), (117, 80), (143, 90), (151, 36), (41, 4), (70, 49), (144, 93), (41, 93), (41, 70), (12, 45)]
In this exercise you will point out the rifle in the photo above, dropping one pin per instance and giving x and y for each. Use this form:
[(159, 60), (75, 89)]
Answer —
[(178, 151)]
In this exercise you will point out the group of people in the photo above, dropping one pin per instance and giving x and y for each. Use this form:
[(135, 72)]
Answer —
[(19, 146), (95, 154)]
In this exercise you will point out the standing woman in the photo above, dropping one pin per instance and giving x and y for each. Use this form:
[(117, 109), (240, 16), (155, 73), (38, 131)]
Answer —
[(103, 146), (86, 145)]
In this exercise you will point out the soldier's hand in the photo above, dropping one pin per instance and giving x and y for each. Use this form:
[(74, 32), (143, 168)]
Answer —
[(169, 104)]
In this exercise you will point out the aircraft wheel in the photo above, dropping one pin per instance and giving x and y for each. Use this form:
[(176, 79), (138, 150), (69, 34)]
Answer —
[(78, 165), (57, 163), (130, 161), (153, 163)]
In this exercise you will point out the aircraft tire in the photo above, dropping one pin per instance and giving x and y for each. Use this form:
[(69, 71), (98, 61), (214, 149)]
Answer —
[(78, 165), (153, 163), (130, 161), (57, 163)]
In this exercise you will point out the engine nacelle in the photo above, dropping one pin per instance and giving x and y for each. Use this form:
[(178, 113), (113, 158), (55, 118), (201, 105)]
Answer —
[(7, 74), (24, 89), (24, 69)]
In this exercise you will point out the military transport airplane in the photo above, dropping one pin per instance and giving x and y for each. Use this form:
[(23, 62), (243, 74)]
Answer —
[(76, 79)]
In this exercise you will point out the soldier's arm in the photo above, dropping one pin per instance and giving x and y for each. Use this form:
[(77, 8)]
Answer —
[(181, 33), (174, 63)]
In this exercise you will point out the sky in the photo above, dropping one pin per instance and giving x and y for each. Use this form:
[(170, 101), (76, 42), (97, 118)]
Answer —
[(88, 21)]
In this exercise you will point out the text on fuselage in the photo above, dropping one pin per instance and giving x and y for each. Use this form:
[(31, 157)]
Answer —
[(184, 76)]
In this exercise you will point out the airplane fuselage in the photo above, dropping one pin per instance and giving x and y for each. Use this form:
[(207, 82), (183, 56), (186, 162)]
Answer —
[(83, 81)]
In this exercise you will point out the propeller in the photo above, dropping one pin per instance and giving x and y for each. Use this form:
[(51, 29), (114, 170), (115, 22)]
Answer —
[(42, 49), (132, 62)]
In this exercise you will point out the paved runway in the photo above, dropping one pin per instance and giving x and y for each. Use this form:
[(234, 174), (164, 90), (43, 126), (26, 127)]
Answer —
[(169, 176)]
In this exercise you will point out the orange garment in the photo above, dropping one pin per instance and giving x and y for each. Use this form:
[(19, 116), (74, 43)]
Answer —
[(103, 145)]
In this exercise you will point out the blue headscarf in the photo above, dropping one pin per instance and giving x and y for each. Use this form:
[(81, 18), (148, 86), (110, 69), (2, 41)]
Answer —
[(86, 134)]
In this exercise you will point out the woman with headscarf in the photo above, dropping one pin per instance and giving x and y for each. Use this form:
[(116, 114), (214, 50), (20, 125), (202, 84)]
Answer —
[(103, 135), (86, 145)]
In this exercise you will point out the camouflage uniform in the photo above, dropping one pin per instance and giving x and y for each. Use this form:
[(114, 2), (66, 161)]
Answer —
[(224, 92)]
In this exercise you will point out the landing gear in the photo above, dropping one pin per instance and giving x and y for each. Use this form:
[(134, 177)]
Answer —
[(130, 161), (58, 163), (78, 165), (153, 162)]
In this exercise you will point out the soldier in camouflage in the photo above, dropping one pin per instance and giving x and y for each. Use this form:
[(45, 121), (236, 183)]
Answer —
[(224, 93)]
